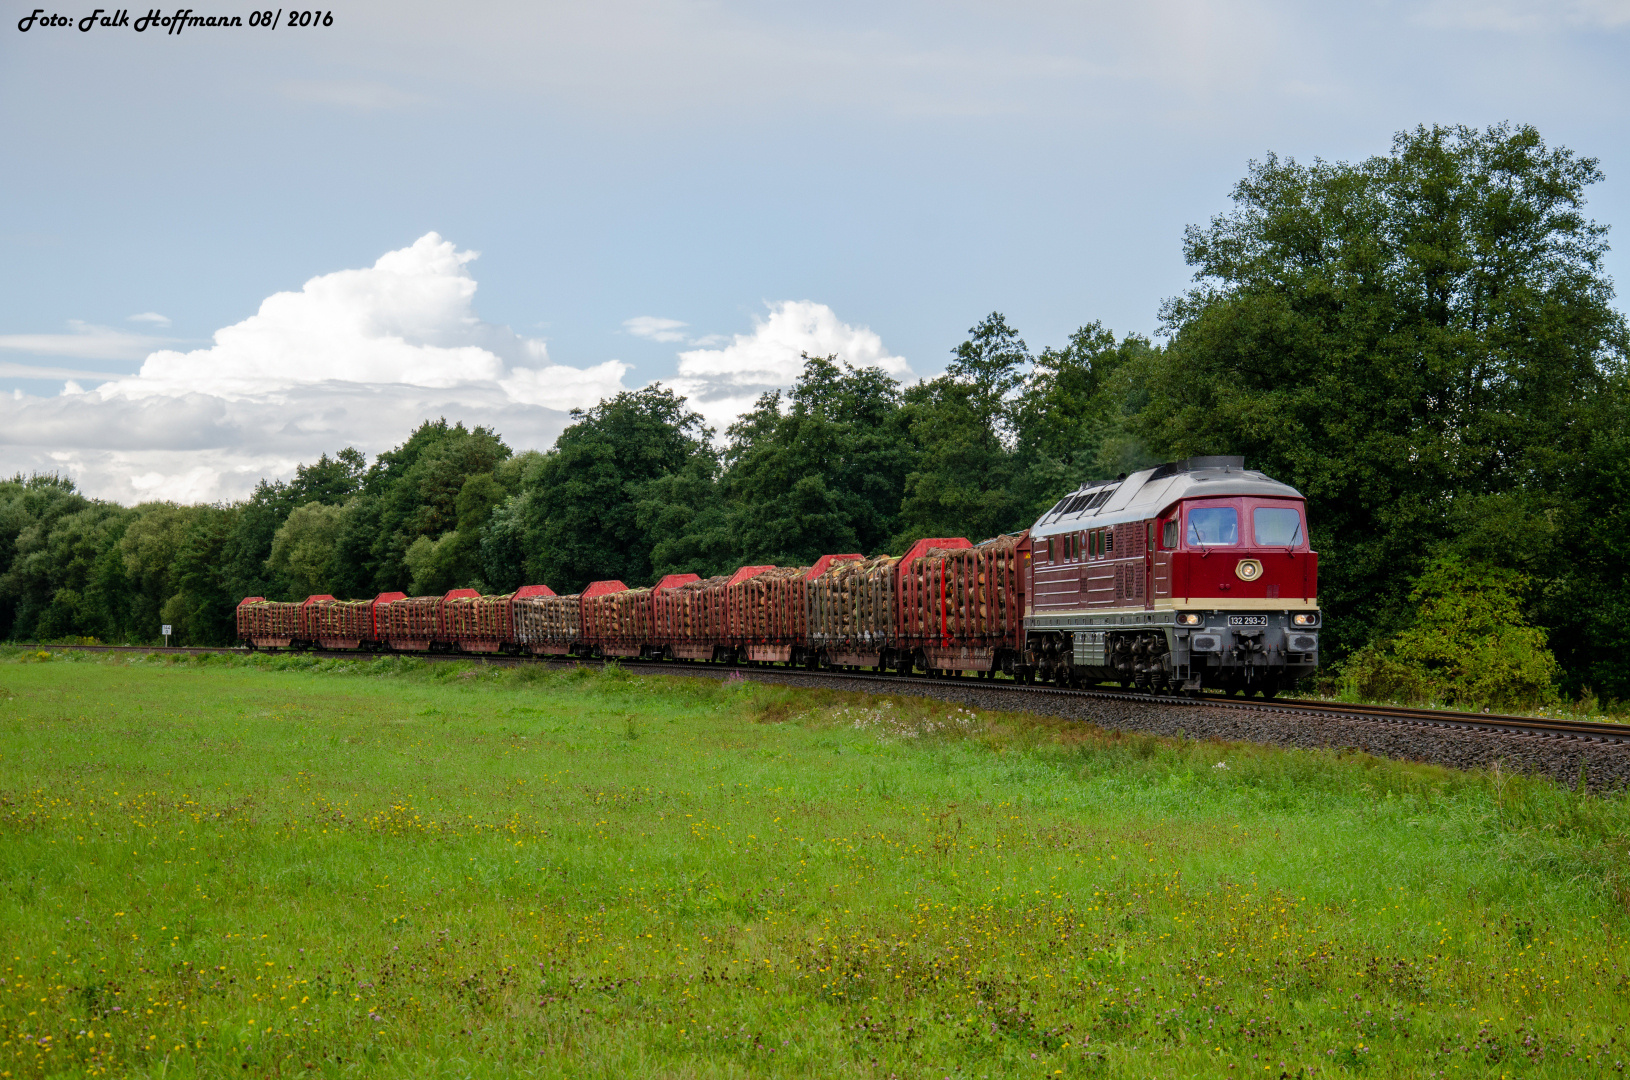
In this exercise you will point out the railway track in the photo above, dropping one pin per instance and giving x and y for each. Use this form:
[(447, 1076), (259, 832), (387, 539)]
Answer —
[(1485, 723)]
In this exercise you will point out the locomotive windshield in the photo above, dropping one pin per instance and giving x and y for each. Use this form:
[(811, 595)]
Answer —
[(1277, 526), (1213, 525)]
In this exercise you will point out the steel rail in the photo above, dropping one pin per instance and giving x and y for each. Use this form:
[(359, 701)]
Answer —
[(1488, 723)]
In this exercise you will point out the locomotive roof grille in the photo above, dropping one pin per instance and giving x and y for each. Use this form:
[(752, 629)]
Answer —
[(1110, 501)]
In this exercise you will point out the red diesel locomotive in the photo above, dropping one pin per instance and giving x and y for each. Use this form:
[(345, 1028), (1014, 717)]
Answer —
[(1193, 574)]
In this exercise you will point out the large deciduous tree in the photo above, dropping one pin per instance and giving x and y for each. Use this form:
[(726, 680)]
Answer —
[(823, 475), (1071, 416), (964, 477), (1413, 340), (578, 518), (412, 493)]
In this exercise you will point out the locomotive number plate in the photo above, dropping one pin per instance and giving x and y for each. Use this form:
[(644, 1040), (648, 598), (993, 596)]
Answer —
[(1247, 620)]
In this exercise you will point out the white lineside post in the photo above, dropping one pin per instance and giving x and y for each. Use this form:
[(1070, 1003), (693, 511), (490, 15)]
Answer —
[(166, 635)]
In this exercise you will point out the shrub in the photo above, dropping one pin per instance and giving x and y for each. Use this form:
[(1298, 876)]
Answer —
[(1468, 645)]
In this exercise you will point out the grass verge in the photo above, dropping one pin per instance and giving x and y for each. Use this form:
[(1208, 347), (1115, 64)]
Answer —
[(281, 866)]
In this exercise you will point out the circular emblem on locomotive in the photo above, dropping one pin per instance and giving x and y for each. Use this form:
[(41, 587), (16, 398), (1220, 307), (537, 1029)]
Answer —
[(1248, 570)]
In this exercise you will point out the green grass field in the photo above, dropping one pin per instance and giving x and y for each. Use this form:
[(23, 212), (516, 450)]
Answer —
[(285, 867)]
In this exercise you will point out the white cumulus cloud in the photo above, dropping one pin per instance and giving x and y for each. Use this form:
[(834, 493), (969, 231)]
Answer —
[(724, 382), (355, 357), (360, 358)]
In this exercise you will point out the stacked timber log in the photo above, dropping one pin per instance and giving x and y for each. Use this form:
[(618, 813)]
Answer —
[(325, 619), (919, 596), (687, 614), (547, 620), (260, 620), (413, 618), (853, 603), (967, 595), (618, 618), (769, 607), (477, 618)]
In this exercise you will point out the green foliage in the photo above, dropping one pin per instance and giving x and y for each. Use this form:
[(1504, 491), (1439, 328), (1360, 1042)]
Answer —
[(1585, 601), (991, 364), (412, 492), (823, 475), (30, 510), (1073, 411), (1468, 645), (304, 549), (579, 513), (204, 601), (149, 544), (1412, 341), (964, 479)]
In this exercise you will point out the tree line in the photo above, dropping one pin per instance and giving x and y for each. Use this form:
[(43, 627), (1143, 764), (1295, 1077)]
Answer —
[(1424, 343)]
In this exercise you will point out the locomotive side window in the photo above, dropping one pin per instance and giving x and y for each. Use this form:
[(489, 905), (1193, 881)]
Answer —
[(1277, 526), (1169, 535), (1213, 525)]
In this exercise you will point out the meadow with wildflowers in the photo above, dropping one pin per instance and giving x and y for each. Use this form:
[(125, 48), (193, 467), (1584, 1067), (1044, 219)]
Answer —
[(284, 866)]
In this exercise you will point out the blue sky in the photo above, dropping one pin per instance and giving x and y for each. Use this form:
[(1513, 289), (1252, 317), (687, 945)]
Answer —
[(861, 177)]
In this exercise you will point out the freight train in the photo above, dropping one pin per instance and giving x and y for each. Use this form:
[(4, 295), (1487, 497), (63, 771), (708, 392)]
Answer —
[(1191, 575)]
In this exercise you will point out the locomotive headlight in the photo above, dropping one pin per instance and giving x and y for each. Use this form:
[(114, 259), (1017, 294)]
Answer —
[(1310, 618), (1188, 618)]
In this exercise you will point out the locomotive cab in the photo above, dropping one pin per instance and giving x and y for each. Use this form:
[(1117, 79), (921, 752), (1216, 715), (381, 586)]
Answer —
[(1243, 581)]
